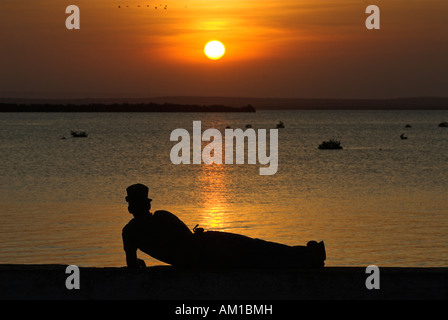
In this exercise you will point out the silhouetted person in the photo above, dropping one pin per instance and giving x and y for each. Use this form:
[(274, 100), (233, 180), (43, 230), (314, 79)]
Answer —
[(165, 237)]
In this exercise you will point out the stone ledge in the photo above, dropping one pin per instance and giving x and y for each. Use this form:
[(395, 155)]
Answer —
[(167, 283)]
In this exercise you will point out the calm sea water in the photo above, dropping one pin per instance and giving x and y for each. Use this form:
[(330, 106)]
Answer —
[(381, 200)]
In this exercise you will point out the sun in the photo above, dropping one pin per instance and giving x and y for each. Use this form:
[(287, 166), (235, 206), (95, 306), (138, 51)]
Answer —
[(214, 50)]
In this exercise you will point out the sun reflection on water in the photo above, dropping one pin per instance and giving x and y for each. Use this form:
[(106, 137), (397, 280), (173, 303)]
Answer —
[(214, 196)]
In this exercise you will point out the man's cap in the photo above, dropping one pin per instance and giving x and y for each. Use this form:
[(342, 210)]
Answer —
[(137, 192)]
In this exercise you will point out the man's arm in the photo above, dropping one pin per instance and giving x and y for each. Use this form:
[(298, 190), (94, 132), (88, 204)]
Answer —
[(131, 258), (171, 223), (131, 251), (132, 261)]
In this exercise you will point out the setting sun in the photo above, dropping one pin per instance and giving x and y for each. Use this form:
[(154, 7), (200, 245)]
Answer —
[(214, 50)]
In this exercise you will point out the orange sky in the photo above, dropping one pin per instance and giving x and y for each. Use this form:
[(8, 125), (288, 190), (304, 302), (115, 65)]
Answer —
[(285, 48)]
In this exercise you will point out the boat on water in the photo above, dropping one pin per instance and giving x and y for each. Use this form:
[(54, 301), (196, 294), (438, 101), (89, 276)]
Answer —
[(78, 134), (330, 145), (280, 124), (403, 137), (443, 124)]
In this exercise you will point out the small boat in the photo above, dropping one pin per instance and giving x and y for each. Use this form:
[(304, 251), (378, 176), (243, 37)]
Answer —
[(248, 126), (78, 134), (280, 125), (408, 126), (330, 145), (443, 124), (403, 137)]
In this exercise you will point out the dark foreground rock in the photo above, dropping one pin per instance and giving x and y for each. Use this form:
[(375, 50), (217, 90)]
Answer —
[(168, 283)]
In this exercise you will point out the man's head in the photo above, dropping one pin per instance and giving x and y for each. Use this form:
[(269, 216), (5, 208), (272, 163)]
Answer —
[(138, 200)]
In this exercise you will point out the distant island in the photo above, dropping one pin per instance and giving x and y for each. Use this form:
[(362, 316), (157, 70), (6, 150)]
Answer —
[(122, 107), (215, 104)]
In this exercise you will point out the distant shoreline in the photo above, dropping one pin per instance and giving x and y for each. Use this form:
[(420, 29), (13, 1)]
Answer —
[(123, 107), (216, 104)]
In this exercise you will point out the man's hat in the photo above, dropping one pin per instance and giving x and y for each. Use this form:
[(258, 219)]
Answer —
[(137, 192)]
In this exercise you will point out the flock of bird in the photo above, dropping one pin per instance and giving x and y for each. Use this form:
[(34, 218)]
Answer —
[(147, 6)]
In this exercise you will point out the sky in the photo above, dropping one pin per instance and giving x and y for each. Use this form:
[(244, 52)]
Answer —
[(274, 49)]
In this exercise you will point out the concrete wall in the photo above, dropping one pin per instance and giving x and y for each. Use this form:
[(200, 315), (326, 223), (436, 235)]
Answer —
[(165, 282)]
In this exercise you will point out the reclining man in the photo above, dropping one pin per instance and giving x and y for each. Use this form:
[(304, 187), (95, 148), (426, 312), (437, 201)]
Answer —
[(165, 237)]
